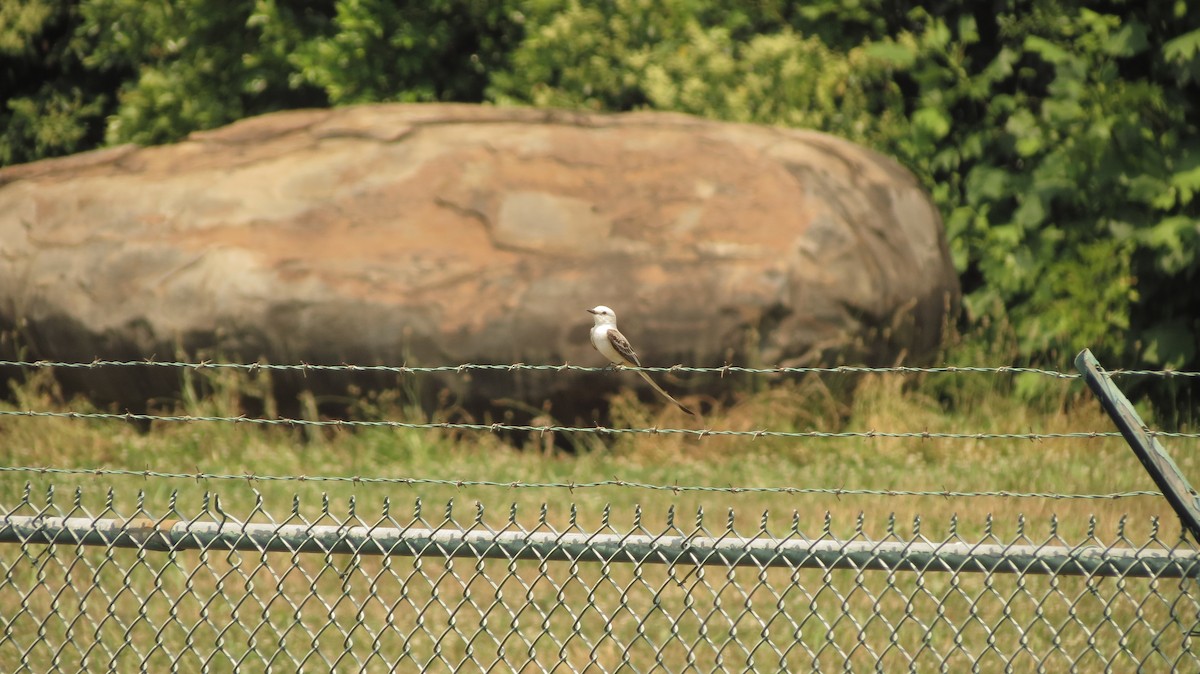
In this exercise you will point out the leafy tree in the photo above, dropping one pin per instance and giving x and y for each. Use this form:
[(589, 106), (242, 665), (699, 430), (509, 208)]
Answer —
[(49, 103), (376, 50), (1067, 171), (115, 71), (198, 63)]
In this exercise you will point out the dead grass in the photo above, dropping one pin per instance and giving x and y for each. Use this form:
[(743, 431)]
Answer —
[(261, 607)]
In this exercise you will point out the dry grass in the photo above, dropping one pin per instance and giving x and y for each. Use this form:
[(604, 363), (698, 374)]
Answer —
[(377, 614)]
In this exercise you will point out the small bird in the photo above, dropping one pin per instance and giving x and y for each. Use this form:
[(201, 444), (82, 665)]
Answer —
[(609, 341)]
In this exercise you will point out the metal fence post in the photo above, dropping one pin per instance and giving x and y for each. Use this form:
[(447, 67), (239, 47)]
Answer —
[(1166, 474)]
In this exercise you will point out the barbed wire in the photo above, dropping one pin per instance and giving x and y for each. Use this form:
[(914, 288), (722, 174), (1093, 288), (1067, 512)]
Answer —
[(465, 367), (570, 486), (499, 427), (601, 430)]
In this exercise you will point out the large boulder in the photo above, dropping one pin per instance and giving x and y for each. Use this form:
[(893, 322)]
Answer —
[(446, 234)]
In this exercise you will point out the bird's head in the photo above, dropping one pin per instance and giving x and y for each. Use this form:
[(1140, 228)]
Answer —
[(603, 315)]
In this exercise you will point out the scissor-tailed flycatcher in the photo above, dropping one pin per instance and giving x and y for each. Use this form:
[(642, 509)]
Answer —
[(609, 341)]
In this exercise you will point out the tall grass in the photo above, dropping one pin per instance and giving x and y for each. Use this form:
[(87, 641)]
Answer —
[(251, 608), (984, 403)]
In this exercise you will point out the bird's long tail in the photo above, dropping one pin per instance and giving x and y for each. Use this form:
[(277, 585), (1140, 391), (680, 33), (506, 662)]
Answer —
[(664, 394)]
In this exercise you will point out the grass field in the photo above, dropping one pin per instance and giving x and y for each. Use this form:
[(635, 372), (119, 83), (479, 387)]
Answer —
[(220, 609)]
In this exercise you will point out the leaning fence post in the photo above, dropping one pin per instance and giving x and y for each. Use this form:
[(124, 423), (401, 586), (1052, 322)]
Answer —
[(1180, 494)]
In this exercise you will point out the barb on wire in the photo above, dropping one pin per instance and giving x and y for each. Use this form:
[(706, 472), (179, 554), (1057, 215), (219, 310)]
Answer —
[(726, 369), (600, 430), (460, 483)]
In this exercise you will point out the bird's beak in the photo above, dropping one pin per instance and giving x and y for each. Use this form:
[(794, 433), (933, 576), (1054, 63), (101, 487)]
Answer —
[(591, 311)]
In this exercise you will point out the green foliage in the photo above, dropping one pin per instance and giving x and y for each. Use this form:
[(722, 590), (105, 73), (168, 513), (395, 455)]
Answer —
[(1068, 184), (152, 72), (48, 107), (634, 54), (198, 63), (377, 50)]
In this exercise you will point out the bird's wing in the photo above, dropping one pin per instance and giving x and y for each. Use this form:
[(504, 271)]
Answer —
[(621, 344), (623, 349)]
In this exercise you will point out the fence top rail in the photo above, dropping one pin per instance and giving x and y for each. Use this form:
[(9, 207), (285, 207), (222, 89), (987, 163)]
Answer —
[(252, 478), (465, 367), (697, 547), (154, 507), (600, 430)]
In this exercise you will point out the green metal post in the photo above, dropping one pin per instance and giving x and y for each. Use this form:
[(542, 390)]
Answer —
[(1175, 487)]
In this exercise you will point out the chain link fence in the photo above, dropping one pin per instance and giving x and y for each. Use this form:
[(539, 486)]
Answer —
[(89, 583), (106, 578)]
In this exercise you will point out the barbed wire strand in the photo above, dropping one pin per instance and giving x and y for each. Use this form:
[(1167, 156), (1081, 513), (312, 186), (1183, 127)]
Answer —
[(570, 486), (601, 430), (494, 427), (723, 370)]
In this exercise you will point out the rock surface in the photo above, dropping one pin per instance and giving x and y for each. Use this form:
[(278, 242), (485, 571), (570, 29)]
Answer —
[(446, 234)]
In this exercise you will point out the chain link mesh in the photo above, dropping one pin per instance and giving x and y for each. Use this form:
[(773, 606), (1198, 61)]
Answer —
[(89, 583)]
